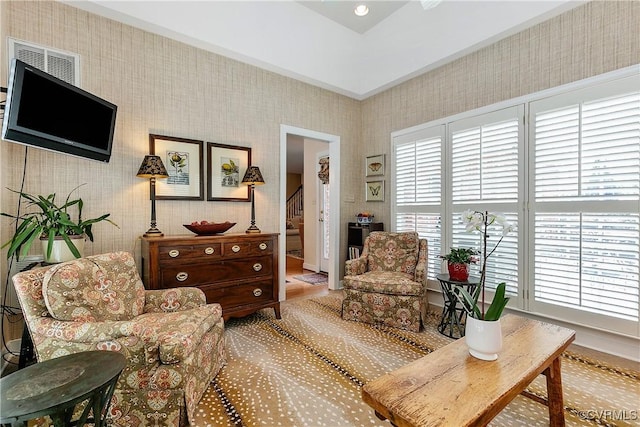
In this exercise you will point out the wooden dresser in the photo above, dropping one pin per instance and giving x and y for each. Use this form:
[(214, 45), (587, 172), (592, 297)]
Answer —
[(239, 271)]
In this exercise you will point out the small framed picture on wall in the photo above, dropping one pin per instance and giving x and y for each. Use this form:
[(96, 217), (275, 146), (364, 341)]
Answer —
[(375, 165), (374, 191)]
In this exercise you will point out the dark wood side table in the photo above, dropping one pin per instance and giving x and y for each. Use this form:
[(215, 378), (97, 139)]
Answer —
[(54, 387), (453, 317)]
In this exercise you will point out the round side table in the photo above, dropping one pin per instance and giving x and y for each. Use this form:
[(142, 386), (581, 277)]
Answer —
[(54, 387), (453, 317)]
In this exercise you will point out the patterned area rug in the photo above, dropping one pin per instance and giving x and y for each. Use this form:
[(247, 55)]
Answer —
[(313, 278), (307, 370), (296, 253)]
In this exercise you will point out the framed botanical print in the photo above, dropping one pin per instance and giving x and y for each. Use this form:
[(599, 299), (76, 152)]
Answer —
[(183, 159), (226, 165), (374, 191), (375, 165)]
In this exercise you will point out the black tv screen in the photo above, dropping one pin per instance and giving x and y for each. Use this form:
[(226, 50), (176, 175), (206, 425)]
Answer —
[(45, 112)]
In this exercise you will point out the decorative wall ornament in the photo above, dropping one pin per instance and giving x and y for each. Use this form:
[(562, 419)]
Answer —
[(375, 165), (374, 191), (323, 174)]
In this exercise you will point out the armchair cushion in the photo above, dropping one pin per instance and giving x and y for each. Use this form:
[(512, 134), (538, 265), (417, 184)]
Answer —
[(393, 252), (385, 282), (174, 299), (175, 344), (94, 289)]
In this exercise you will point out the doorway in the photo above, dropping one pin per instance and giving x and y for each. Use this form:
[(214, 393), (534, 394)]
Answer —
[(334, 214)]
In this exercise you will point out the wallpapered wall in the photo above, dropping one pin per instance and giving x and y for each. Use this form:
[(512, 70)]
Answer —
[(165, 87), (586, 41)]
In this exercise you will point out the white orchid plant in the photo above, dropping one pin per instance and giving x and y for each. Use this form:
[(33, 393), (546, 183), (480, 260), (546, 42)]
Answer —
[(481, 221)]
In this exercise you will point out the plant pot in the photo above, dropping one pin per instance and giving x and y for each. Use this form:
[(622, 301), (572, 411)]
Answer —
[(458, 271), (61, 252), (484, 338)]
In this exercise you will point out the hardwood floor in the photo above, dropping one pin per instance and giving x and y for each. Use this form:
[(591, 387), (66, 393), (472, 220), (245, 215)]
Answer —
[(297, 288)]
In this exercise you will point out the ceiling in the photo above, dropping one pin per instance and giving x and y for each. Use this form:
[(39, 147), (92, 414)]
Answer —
[(323, 43), (341, 12)]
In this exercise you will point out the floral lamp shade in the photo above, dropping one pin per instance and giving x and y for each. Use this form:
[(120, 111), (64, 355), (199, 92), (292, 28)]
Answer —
[(253, 176), (152, 167)]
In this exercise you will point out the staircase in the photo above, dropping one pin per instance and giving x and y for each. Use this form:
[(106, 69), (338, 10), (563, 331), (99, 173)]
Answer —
[(294, 203)]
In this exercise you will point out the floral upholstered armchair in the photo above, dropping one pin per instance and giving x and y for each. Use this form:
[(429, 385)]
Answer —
[(172, 339), (387, 284)]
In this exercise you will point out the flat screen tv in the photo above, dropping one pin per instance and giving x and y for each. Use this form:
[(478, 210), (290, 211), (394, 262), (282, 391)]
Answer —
[(45, 112)]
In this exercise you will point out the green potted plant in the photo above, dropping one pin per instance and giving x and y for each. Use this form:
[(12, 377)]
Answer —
[(458, 260), (482, 331), (50, 223)]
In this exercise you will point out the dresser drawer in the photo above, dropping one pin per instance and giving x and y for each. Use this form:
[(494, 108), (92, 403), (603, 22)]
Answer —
[(242, 249), (173, 254), (219, 271), (239, 294)]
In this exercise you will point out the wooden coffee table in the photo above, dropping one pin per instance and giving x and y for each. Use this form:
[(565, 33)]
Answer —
[(449, 387)]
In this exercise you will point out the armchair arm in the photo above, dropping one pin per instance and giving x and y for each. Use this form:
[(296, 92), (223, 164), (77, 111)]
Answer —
[(421, 266), (52, 338), (174, 299), (354, 267)]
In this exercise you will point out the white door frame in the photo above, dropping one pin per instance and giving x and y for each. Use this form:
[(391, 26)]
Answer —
[(334, 200)]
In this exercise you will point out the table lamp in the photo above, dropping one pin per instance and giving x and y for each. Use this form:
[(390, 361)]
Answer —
[(253, 177), (152, 168)]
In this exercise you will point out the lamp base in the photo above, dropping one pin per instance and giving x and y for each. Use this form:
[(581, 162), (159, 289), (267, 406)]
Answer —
[(153, 232), (253, 229)]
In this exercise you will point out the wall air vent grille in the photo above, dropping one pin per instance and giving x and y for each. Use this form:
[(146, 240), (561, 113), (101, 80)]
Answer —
[(63, 65)]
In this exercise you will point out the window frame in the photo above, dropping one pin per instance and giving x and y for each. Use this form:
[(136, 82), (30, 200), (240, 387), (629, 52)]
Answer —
[(526, 270)]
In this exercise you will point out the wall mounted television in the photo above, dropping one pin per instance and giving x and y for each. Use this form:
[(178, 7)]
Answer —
[(45, 112)]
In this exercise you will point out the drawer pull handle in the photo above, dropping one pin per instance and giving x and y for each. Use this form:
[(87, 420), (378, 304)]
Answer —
[(257, 266), (257, 292), (235, 248), (182, 276), (262, 246), (209, 250), (174, 253)]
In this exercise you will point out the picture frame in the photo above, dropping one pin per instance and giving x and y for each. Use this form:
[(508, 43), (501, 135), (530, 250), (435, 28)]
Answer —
[(374, 191), (184, 161), (226, 166), (374, 166)]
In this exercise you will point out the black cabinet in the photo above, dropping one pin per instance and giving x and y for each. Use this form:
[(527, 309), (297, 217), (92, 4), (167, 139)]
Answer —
[(356, 233)]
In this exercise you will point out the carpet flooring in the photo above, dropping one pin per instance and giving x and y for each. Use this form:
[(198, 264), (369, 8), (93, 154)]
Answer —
[(307, 370)]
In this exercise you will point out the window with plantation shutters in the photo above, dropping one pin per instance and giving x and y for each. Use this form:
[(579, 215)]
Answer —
[(485, 177), (585, 203), (417, 187), (563, 166)]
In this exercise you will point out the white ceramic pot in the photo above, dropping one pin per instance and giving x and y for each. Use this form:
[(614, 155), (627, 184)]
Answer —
[(61, 252), (484, 338)]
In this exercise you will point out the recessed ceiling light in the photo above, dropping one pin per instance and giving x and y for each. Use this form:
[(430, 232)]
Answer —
[(361, 10)]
